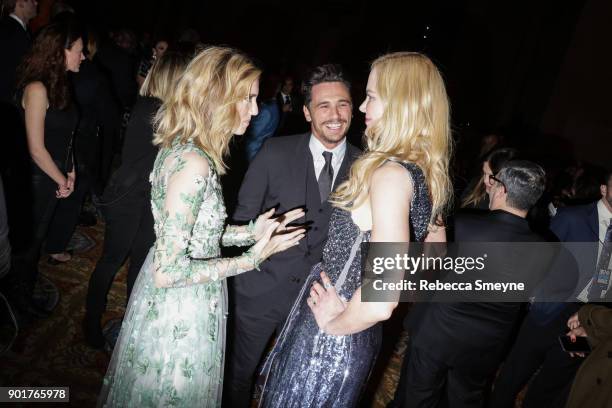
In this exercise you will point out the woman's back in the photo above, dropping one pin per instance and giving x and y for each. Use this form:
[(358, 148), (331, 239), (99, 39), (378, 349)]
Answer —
[(58, 129)]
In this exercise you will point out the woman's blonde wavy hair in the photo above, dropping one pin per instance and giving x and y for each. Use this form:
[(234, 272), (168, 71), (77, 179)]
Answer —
[(202, 107), (414, 127)]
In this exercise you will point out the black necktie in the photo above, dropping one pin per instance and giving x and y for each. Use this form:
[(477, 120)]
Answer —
[(287, 100), (326, 177)]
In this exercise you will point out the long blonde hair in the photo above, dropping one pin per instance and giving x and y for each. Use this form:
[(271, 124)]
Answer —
[(414, 127), (202, 107)]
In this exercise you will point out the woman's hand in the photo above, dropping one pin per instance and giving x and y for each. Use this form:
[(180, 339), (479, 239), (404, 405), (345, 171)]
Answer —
[(71, 179), (265, 220), (324, 302), (62, 190), (65, 188), (274, 240)]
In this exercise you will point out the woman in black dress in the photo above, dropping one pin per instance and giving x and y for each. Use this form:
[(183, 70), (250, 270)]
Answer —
[(50, 120)]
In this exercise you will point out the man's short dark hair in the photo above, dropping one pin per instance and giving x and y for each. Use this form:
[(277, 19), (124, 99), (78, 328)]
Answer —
[(607, 178), (524, 181), (321, 74), (8, 7)]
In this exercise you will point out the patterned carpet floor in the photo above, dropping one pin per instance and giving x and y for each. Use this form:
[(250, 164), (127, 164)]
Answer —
[(52, 352)]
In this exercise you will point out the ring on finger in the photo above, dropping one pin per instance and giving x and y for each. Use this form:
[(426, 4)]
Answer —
[(327, 285)]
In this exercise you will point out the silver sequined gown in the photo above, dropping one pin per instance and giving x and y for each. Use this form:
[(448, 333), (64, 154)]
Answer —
[(308, 368)]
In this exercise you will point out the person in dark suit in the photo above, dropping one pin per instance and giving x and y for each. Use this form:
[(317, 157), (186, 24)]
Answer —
[(290, 107), (126, 200), (15, 42), (537, 347), (456, 347), (593, 384), (288, 172)]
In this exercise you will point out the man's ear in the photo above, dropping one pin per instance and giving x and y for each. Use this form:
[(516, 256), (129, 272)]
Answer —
[(306, 113)]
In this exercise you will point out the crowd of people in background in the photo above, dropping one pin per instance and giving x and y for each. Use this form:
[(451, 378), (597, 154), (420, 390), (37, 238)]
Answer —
[(103, 127)]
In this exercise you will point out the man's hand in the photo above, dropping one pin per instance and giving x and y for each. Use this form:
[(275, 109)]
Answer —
[(577, 332), (573, 322)]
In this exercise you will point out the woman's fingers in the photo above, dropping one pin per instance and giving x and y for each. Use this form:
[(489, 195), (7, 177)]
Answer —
[(291, 242), (289, 236), (270, 230), (268, 213), (318, 289), (291, 216), (311, 303), (326, 281)]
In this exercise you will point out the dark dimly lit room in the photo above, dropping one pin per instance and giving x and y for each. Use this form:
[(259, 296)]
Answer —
[(283, 204)]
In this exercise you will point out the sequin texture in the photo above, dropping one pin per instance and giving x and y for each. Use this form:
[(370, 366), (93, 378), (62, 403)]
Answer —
[(308, 368)]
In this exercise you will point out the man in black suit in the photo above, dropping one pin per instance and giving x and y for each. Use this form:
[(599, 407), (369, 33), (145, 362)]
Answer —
[(290, 107), (15, 42), (456, 347), (537, 347), (288, 172)]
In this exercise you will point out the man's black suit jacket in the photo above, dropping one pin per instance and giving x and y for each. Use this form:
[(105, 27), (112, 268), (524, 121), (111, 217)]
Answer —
[(457, 332), (282, 175), (14, 44), (579, 224)]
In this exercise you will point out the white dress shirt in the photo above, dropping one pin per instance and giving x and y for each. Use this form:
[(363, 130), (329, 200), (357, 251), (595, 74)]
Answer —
[(14, 16), (286, 98), (317, 149)]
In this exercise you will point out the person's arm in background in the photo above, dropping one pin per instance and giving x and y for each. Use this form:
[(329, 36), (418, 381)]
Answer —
[(594, 321), (35, 103), (390, 196)]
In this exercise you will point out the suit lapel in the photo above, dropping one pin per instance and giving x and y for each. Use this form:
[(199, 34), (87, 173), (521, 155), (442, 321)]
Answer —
[(349, 158), (302, 165), (299, 165)]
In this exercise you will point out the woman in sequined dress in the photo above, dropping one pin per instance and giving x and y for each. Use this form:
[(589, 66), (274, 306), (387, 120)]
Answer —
[(397, 192)]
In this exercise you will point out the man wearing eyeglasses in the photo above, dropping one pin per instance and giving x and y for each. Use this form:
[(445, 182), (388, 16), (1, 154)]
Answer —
[(455, 348), (537, 347)]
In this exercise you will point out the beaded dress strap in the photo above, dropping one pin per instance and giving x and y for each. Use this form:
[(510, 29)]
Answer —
[(349, 262)]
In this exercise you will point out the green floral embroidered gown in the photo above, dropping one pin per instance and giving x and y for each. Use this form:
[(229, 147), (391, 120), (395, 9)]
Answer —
[(170, 351)]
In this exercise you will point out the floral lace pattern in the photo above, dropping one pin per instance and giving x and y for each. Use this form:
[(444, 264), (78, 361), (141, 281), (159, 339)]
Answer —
[(171, 348)]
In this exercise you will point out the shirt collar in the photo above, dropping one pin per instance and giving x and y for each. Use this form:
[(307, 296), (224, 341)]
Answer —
[(317, 148), (603, 212), (14, 16)]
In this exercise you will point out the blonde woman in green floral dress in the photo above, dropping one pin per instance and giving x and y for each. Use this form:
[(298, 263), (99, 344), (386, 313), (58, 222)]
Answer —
[(170, 351)]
